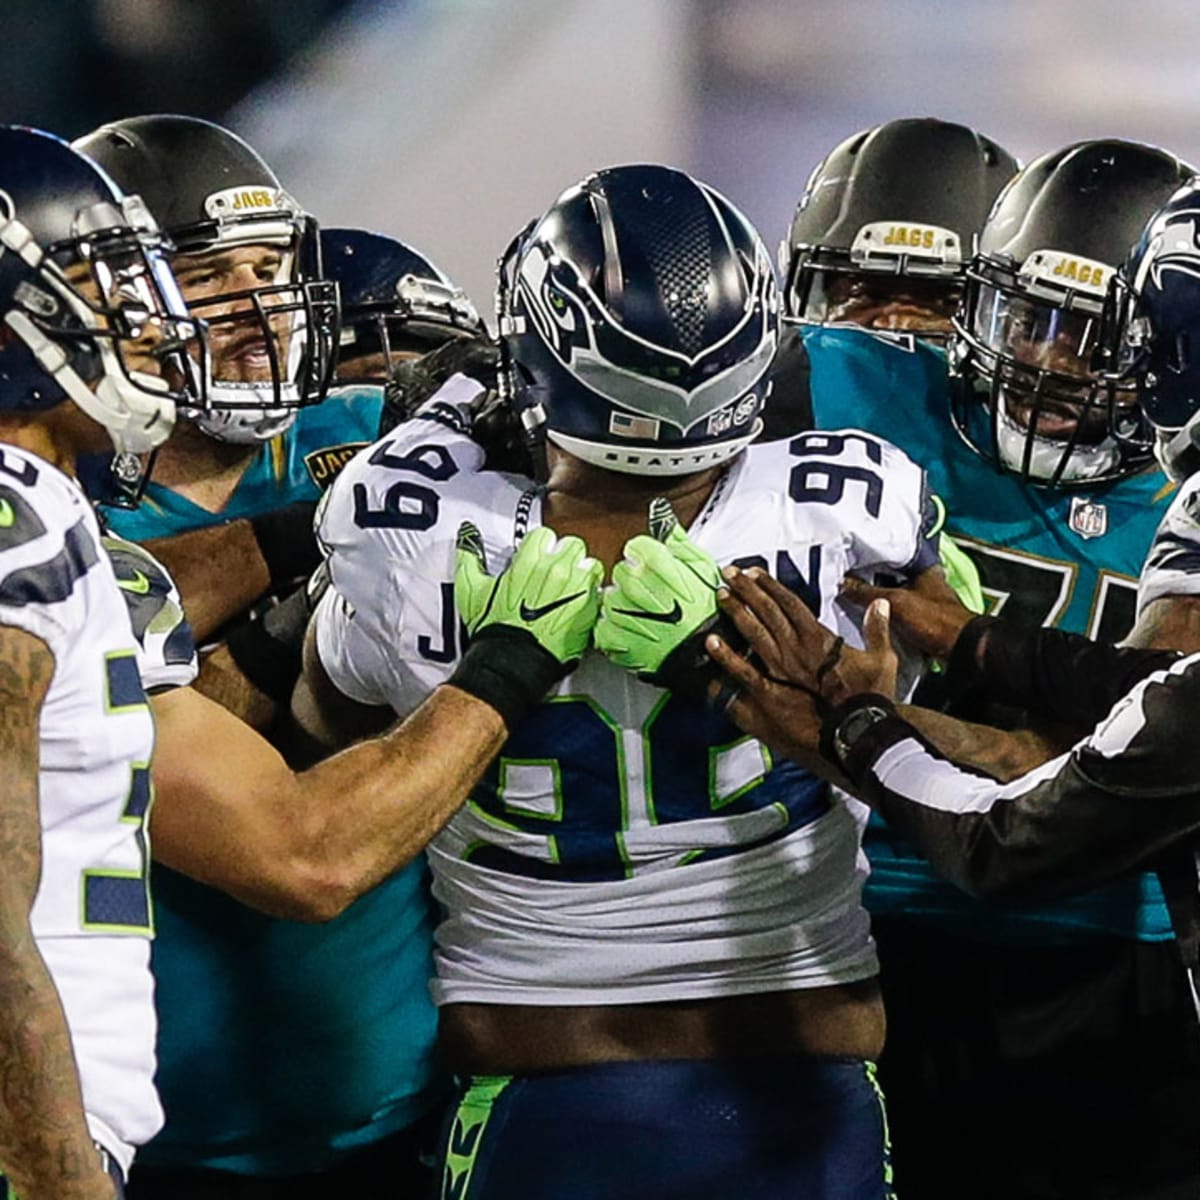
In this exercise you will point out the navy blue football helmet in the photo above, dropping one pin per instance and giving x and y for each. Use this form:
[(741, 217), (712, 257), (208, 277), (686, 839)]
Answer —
[(213, 195), (394, 300), (89, 307), (1154, 329), (638, 321), (1030, 388)]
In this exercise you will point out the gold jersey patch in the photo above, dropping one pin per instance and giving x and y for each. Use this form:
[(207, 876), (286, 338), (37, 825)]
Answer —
[(324, 464)]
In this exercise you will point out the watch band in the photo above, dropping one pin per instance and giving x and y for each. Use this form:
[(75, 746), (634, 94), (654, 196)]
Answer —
[(849, 721)]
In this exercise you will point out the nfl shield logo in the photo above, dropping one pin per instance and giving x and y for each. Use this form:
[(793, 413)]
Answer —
[(1089, 520)]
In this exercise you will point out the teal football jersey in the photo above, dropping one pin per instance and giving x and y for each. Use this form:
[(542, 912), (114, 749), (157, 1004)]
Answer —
[(297, 466), (1068, 558), (283, 1046)]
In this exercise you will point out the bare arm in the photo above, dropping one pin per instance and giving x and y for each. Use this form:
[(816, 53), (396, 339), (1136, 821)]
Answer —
[(1002, 754), (304, 846), (220, 572), (45, 1145), (223, 681), (1169, 623)]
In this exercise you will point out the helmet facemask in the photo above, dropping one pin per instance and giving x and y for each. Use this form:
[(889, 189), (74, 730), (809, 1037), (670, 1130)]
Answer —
[(103, 317), (896, 276), (272, 344), (1030, 394)]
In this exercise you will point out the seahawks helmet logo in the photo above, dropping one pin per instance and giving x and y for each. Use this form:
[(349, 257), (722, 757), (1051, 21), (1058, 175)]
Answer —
[(1173, 247)]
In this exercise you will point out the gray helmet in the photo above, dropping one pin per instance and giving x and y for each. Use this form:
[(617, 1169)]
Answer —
[(1028, 392), (902, 200)]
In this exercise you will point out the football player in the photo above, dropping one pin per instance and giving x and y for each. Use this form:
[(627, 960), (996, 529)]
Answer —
[(1156, 307), (1053, 493), (240, 477), (396, 308), (653, 964), (885, 228), (262, 1074), (94, 357), (880, 241)]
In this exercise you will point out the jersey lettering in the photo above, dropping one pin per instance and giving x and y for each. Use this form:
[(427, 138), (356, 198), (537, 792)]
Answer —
[(1031, 590), (599, 803), (453, 632), (807, 587)]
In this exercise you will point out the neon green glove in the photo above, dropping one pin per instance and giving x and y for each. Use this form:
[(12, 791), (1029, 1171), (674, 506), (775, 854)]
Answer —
[(550, 590), (961, 574), (530, 624), (664, 591)]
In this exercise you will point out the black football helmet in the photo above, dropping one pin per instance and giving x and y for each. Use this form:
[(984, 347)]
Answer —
[(887, 222), (638, 321), (210, 192), (1153, 330), (1029, 389), (90, 309), (393, 299)]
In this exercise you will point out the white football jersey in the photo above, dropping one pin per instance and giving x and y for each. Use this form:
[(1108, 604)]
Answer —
[(1172, 568), (92, 917), (627, 845)]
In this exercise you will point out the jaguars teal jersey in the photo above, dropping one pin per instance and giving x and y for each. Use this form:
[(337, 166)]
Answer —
[(283, 1046), (299, 465), (1068, 558)]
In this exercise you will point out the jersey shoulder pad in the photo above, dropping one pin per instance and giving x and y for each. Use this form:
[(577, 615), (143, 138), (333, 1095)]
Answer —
[(454, 405), (47, 532), (166, 648)]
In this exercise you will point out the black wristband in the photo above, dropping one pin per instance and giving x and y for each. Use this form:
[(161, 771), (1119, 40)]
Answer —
[(287, 542), (268, 650), (509, 669)]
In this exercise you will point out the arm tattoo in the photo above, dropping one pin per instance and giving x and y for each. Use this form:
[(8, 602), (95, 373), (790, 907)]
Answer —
[(1002, 754), (45, 1146)]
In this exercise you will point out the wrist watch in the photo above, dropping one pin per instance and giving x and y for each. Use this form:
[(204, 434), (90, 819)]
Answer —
[(852, 726)]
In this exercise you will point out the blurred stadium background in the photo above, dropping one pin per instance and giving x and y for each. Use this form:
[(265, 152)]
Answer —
[(449, 123)]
